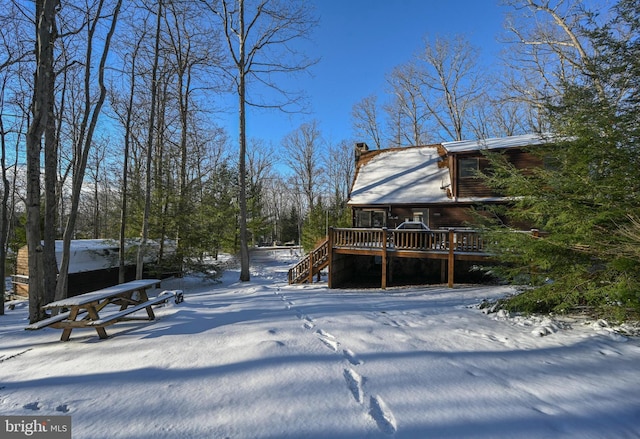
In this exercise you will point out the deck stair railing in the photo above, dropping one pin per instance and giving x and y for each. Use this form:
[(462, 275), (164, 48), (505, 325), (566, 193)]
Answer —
[(310, 265)]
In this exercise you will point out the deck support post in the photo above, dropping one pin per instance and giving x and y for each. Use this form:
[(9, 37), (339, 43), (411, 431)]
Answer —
[(311, 267), (384, 258), (330, 240), (452, 245)]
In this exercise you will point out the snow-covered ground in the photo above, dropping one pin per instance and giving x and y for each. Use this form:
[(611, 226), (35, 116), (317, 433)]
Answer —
[(266, 360)]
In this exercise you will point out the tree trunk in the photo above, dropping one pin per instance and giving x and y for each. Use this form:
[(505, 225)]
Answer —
[(88, 125), (244, 246), (125, 174), (50, 264), (42, 97), (150, 134), (4, 217)]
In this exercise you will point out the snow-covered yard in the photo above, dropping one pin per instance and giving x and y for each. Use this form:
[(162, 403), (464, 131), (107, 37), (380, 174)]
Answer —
[(267, 360)]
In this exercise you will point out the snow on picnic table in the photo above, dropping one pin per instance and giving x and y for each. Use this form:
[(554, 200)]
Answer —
[(263, 359)]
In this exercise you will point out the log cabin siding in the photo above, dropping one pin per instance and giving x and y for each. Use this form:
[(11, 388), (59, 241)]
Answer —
[(473, 187), (454, 216)]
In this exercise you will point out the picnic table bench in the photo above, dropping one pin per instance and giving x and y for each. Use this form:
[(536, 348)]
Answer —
[(84, 310)]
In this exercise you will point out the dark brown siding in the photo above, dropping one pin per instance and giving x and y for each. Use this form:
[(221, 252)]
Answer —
[(474, 187), (445, 217), (524, 160)]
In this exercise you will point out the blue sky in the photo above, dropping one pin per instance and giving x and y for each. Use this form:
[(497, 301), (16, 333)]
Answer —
[(359, 42)]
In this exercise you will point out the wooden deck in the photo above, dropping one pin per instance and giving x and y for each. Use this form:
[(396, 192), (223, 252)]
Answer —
[(446, 245)]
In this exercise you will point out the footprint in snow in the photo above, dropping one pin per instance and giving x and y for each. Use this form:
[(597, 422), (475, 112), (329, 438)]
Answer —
[(355, 382), (324, 333), (351, 357), (63, 408), (380, 413), (304, 317), (330, 343), (32, 406)]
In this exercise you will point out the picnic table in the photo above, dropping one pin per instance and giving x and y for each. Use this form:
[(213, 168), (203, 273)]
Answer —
[(89, 310)]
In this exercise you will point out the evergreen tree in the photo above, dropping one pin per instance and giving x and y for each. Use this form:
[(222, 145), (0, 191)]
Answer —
[(290, 226), (218, 230), (258, 224), (315, 226), (586, 196)]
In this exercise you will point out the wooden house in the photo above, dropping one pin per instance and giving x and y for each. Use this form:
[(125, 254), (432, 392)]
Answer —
[(437, 185)]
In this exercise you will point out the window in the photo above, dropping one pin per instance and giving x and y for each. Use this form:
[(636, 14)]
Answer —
[(469, 167), (370, 218), (421, 215), (377, 219)]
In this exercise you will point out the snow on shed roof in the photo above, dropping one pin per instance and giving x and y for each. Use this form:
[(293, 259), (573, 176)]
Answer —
[(496, 143), (398, 176)]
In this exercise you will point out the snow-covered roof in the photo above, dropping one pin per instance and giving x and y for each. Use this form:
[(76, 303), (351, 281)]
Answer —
[(90, 254), (413, 175), (399, 176), (100, 254), (496, 143)]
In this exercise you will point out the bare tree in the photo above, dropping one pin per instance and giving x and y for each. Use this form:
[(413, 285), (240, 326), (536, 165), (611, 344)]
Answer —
[(96, 158), (191, 49), (260, 169), (46, 35), (434, 95), (550, 47), (259, 36), (11, 55), (6, 190), (395, 124), (91, 113), (302, 148), (407, 105), (340, 168), (124, 110), (452, 84), (364, 115), (276, 202), (150, 141)]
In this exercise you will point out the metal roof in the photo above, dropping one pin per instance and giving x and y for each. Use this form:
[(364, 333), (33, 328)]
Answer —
[(496, 143)]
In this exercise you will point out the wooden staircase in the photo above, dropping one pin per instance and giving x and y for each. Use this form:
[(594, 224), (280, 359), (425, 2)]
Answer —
[(310, 265)]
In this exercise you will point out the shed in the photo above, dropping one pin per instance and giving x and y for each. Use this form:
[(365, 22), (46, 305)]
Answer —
[(93, 264)]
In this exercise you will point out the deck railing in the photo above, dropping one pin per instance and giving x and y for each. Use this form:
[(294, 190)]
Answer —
[(413, 240), (442, 244), (358, 238)]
